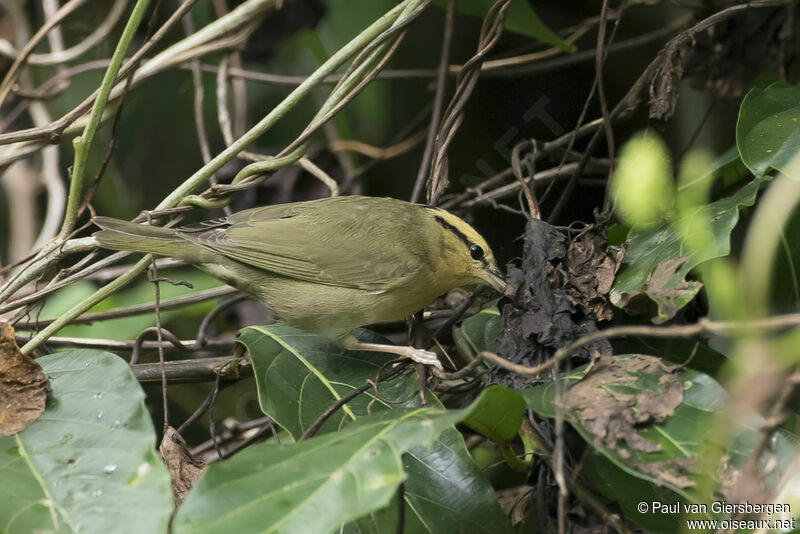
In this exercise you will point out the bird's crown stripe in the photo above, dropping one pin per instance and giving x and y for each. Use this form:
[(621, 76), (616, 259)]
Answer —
[(447, 226)]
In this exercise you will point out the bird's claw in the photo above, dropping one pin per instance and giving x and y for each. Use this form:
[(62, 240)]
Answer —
[(425, 357)]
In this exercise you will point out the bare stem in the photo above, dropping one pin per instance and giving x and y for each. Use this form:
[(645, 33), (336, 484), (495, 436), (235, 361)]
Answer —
[(83, 142)]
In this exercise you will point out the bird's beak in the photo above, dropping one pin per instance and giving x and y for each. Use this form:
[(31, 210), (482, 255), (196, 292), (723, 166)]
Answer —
[(494, 279)]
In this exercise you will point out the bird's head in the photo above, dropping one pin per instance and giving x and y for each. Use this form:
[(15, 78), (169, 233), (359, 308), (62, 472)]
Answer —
[(464, 254)]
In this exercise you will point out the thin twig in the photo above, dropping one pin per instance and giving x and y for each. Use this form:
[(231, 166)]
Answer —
[(14, 70), (197, 83), (703, 326), (333, 408), (438, 99), (200, 339), (375, 152), (138, 309), (491, 30), (601, 90), (157, 301)]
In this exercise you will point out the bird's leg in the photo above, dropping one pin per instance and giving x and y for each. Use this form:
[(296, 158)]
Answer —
[(418, 355)]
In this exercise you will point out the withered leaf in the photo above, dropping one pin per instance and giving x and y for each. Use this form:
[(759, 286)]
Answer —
[(184, 469), (610, 402), (542, 316), (668, 294), (674, 472), (587, 273), (23, 386), (664, 83)]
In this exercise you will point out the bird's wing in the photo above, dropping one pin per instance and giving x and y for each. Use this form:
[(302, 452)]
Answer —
[(344, 247)]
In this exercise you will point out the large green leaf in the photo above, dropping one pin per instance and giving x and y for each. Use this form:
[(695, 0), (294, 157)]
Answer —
[(88, 464), (499, 416), (657, 260), (520, 18), (675, 442), (480, 331), (443, 492), (617, 485), (299, 375), (768, 129), (318, 484)]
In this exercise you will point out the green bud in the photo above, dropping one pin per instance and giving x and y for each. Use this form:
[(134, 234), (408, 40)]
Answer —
[(642, 187)]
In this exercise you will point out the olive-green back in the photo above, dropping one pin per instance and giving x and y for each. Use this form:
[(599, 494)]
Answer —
[(360, 242)]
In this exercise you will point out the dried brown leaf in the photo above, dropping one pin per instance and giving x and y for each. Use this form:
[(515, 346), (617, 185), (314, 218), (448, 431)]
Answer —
[(603, 404), (674, 472), (664, 84), (587, 273), (23, 386), (541, 316), (515, 503), (184, 469), (660, 290)]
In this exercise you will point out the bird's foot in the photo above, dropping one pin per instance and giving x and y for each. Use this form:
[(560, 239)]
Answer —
[(418, 355), (424, 357)]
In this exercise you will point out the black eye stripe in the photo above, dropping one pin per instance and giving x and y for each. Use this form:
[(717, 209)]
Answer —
[(464, 239), (447, 226)]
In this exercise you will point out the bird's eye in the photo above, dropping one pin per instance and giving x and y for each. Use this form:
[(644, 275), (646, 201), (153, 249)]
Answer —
[(476, 252)]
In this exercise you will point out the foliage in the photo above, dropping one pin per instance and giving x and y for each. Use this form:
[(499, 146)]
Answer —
[(663, 457), (88, 464), (657, 259), (299, 375), (550, 415), (768, 130)]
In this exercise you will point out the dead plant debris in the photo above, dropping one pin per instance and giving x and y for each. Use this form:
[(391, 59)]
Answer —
[(184, 469), (23, 386), (557, 293), (587, 272), (619, 395)]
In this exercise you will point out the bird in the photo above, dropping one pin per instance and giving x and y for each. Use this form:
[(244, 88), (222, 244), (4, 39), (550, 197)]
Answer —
[(330, 265)]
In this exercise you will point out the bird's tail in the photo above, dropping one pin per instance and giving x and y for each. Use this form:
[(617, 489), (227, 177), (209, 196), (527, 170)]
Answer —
[(123, 235)]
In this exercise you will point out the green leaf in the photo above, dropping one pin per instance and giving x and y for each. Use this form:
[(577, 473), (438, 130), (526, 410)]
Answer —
[(299, 375), (679, 438), (310, 486), (480, 332), (768, 129), (520, 18), (499, 416), (619, 486), (436, 498), (657, 251), (314, 485), (88, 463)]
